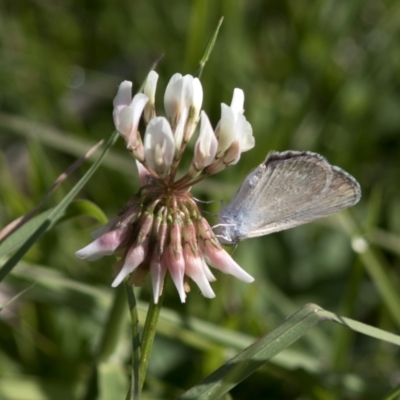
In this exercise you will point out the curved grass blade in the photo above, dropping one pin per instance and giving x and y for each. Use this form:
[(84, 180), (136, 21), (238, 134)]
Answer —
[(56, 213), (256, 355), (64, 141), (75, 209), (16, 224), (18, 295), (208, 50), (374, 265), (394, 394)]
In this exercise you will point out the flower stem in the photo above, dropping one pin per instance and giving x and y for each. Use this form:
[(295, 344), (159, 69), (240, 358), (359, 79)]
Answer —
[(149, 332), (135, 389)]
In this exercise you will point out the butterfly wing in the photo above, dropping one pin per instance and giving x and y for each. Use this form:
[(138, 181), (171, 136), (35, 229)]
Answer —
[(291, 188)]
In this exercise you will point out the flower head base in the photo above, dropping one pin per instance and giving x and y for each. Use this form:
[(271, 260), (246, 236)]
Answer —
[(161, 229)]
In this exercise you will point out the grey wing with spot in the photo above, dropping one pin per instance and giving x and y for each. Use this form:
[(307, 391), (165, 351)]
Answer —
[(290, 189)]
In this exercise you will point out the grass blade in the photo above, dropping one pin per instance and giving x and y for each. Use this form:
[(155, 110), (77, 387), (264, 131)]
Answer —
[(55, 214), (256, 355)]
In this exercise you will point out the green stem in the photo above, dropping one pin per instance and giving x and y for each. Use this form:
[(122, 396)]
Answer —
[(149, 332), (135, 389)]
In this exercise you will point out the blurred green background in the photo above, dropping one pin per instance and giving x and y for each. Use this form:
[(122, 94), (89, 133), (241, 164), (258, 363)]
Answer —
[(320, 76)]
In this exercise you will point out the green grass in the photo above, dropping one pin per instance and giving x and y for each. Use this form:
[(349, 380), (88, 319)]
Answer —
[(318, 76)]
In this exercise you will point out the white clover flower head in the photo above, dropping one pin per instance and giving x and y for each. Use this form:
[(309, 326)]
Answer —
[(161, 229)]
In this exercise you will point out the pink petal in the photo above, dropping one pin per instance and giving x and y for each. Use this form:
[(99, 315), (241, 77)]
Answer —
[(143, 173), (158, 271), (105, 228), (105, 245), (133, 259), (176, 266), (195, 269), (220, 259)]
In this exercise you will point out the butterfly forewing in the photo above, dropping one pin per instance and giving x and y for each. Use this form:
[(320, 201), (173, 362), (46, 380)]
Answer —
[(291, 188)]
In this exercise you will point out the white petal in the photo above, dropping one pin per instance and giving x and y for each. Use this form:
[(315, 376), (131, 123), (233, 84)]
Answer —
[(137, 105), (93, 252), (124, 121), (150, 86), (157, 278), (187, 91), (150, 90), (237, 101), (179, 130), (195, 270), (209, 274), (226, 133), (124, 94), (159, 133), (197, 99), (247, 141), (177, 277), (170, 97), (206, 145), (179, 97), (125, 271), (244, 139)]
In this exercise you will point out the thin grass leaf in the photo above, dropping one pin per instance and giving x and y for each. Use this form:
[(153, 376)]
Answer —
[(75, 208), (16, 239), (360, 327), (394, 394), (85, 208), (192, 331), (256, 355), (374, 265), (18, 295), (387, 240), (208, 49), (16, 224), (55, 214), (66, 142)]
